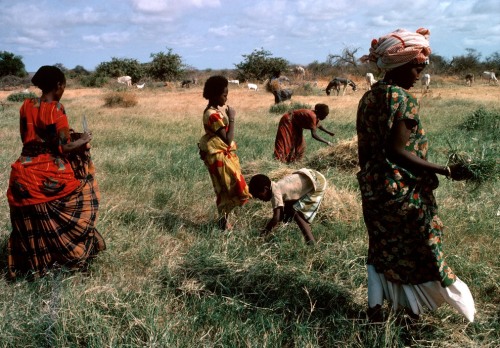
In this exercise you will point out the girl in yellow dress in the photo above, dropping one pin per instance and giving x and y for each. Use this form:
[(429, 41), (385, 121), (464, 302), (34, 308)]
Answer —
[(218, 150)]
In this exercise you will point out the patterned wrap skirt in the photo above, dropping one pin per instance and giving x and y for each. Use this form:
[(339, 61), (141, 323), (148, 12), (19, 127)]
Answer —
[(57, 233)]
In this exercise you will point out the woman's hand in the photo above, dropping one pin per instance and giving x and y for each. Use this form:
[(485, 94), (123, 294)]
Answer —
[(86, 137), (459, 172), (231, 113)]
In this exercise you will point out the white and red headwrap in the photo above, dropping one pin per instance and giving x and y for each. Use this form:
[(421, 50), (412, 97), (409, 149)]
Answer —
[(398, 48)]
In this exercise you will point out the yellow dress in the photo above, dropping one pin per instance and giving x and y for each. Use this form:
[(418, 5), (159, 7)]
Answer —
[(222, 163)]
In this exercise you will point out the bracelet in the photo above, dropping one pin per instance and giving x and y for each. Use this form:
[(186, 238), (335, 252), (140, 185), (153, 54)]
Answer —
[(448, 172)]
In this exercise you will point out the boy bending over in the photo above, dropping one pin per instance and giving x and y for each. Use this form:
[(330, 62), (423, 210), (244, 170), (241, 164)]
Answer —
[(296, 196)]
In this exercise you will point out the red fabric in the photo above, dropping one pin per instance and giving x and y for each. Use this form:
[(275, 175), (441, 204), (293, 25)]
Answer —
[(41, 174), (290, 145)]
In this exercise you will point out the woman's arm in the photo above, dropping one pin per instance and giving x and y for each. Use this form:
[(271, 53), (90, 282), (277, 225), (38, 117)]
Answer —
[(397, 153), (77, 144), (326, 131), (318, 138), (228, 136)]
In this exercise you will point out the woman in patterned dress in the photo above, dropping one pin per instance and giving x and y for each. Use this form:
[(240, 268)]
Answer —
[(52, 211), (406, 264), (218, 150), (290, 145)]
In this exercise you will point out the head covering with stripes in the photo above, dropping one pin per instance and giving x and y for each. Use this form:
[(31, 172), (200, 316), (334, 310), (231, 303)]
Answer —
[(398, 48)]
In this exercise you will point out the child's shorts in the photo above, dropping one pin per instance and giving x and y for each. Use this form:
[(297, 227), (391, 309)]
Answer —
[(309, 204)]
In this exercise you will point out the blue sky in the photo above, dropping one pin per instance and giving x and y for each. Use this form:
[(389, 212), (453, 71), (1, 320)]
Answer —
[(216, 33)]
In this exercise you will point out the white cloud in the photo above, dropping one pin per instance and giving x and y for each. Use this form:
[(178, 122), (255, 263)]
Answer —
[(107, 38), (223, 31), (172, 6)]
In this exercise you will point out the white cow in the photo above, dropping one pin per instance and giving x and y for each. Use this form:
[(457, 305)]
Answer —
[(490, 76), (426, 81), (126, 80), (252, 87), (234, 82), (370, 80)]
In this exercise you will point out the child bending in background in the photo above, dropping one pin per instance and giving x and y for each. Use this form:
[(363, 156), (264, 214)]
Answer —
[(296, 196)]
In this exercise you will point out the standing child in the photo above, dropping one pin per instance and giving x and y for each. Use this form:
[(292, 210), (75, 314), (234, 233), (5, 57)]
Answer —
[(218, 150), (296, 196)]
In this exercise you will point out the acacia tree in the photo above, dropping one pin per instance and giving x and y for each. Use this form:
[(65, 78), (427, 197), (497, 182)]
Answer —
[(260, 65), (10, 64), (347, 58), (165, 66), (466, 63)]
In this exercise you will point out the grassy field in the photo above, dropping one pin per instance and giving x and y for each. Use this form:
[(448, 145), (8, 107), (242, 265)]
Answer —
[(170, 279)]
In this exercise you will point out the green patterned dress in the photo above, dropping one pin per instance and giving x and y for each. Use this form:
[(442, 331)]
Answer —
[(399, 207)]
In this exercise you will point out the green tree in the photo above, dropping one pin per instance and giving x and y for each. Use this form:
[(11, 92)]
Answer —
[(120, 67), (438, 64), (323, 69), (465, 63), (10, 64), (492, 62), (166, 66), (260, 65), (61, 67), (80, 70)]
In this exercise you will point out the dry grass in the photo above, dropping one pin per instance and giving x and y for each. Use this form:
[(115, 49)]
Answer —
[(154, 215)]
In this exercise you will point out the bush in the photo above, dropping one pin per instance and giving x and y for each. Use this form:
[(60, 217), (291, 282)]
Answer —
[(259, 65), (482, 120), (120, 99), (14, 81), (93, 80), (20, 97), (283, 108)]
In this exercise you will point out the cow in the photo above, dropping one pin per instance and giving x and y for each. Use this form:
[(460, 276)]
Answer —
[(490, 76), (234, 82), (252, 86), (370, 80), (126, 80), (337, 82), (469, 79), (426, 81)]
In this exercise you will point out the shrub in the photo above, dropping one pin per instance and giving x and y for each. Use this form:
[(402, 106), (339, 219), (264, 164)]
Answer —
[(20, 97), (283, 108), (93, 80), (308, 89), (482, 120), (120, 99)]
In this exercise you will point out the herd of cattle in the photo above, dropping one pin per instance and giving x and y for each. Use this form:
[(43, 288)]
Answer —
[(337, 84)]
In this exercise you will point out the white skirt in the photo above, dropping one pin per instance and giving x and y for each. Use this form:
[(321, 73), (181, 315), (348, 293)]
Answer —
[(417, 297)]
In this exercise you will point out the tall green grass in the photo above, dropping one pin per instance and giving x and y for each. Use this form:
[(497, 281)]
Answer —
[(170, 278)]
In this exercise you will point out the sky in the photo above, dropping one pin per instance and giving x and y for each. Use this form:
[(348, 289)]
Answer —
[(215, 34)]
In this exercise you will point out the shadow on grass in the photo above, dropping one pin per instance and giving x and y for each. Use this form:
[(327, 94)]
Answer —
[(3, 254), (173, 222), (264, 285)]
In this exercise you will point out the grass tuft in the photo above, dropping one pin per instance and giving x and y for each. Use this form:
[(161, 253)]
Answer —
[(21, 96), (120, 99), (283, 108)]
